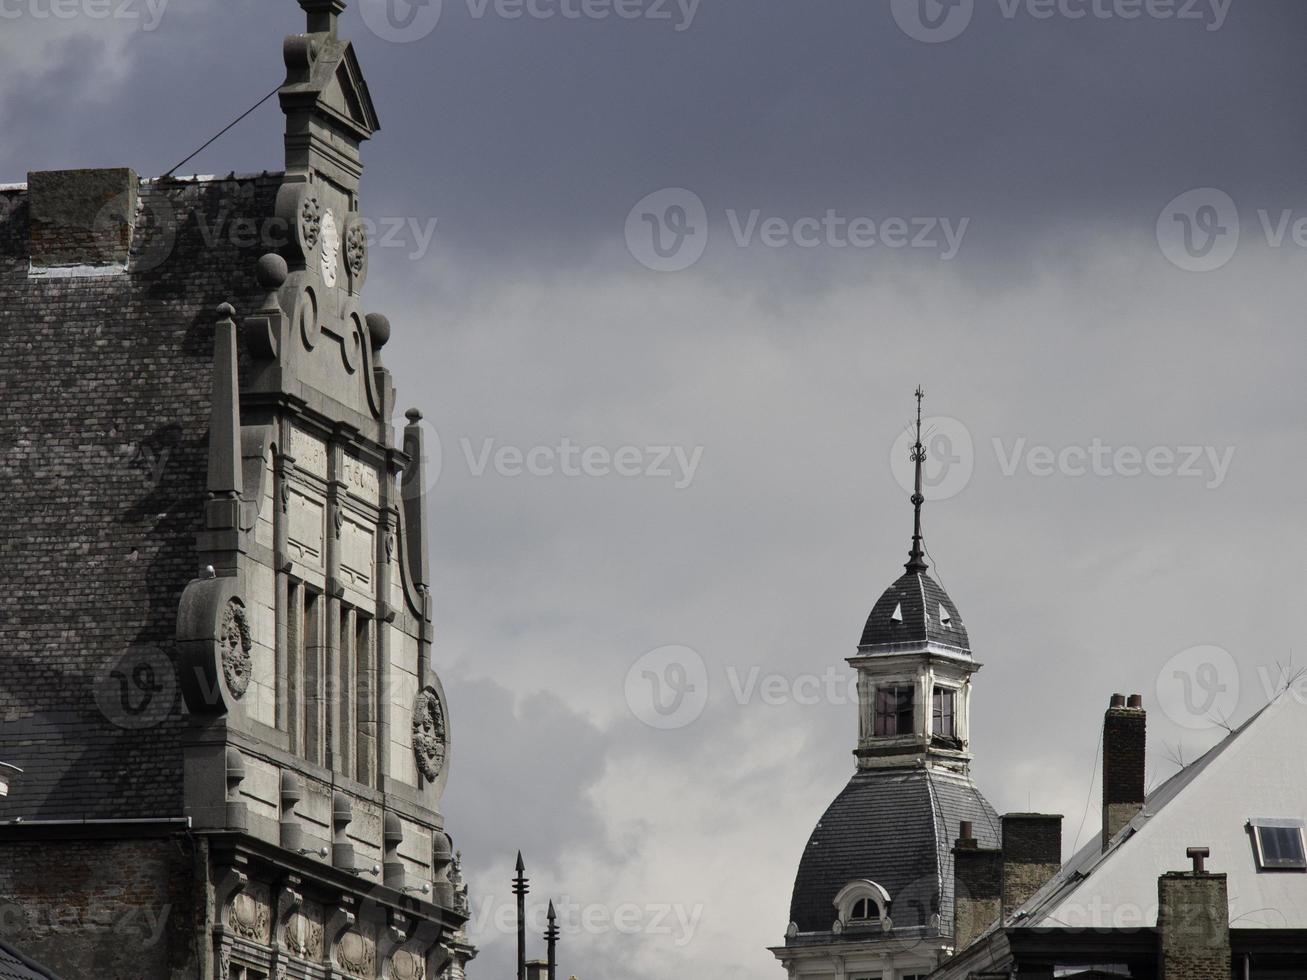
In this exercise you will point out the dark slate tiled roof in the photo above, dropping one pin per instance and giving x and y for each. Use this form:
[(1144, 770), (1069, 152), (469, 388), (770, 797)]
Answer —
[(895, 828), (15, 966), (920, 597)]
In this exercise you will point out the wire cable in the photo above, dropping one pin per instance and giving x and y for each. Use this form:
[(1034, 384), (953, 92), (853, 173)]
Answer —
[(224, 131)]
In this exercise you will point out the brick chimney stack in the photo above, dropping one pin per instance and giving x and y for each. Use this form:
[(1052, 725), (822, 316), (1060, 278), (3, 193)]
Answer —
[(1193, 923), (1125, 738), (977, 888), (1032, 854)]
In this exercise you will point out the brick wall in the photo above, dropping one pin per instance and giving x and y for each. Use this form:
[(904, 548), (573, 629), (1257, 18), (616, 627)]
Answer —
[(102, 457), (102, 909)]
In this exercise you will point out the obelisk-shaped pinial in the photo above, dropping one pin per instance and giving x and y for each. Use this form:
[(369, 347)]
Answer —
[(917, 557), (521, 887), (322, 15), (551, 940)]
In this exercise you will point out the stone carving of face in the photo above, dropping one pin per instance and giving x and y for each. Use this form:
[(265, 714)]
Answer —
[(429, 736), (234, 642), (330, 248)]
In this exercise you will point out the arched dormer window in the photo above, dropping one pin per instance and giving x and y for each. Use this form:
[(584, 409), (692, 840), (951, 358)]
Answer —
[(862, 903)]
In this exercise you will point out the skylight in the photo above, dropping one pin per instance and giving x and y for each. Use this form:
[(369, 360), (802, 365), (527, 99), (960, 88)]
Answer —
[(1279, 844)]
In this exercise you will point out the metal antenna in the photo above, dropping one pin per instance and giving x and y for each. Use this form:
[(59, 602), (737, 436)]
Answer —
[(520, 889), (551, 938), (916, 557)]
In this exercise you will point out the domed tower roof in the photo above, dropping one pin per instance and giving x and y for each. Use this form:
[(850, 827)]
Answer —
[(913, 613), (896, 830)]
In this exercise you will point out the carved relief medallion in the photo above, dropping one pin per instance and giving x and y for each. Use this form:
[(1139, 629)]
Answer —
[(357, 955), (330, 248), (356, 250), (310, 223), (405, 965), (250, 916), (304, 935), (235, 642), (430, 737)]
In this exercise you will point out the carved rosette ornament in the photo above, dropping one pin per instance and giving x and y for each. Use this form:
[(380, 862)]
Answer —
[(235, 643), (430, 736)]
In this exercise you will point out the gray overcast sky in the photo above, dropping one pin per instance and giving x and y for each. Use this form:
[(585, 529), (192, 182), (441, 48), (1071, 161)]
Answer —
[(1061, 322)]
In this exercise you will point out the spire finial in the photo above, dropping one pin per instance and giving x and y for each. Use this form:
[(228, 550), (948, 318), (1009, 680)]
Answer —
[(916, 557)]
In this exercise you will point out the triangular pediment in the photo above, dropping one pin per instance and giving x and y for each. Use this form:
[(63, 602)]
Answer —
[(348, 93), (324, 74)]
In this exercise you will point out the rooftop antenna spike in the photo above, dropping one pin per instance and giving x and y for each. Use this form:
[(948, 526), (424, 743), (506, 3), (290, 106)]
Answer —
[(520, 889), (916, 557), (551, 938)]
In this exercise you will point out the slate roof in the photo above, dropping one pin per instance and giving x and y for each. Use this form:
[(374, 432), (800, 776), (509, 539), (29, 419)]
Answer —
[(15, 966), (919, 597), (896, 828)]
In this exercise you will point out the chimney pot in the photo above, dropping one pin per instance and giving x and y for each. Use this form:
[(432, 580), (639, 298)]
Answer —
[(1199, 856), (1118, 700), (1136, 701)]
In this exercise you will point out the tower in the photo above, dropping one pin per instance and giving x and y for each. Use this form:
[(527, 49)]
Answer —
[(874, 889), (216, 621)]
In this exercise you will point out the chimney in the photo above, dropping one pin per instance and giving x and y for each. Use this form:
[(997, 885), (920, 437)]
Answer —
[(537, 970), (81, 219), (977, 888), (1193, 923), (1032, 854), (1124, 740)]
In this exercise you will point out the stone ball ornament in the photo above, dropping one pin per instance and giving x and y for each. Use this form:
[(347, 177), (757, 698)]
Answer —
[(378, 330), (271, 272), (214, 645)]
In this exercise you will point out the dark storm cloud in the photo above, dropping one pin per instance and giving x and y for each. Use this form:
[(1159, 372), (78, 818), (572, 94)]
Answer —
[(534, 137)]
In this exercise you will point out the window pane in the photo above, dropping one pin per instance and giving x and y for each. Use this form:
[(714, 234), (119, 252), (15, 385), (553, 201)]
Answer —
[(1282, 847), (944, 704), (905, 725)]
